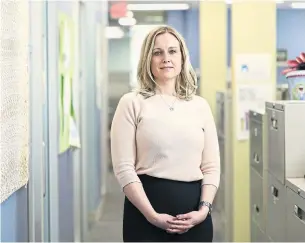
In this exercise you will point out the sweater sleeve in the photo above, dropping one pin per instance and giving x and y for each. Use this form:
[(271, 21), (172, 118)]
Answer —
[(210, 164), (123, 141)]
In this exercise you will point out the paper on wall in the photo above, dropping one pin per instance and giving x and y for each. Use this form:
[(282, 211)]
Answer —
[(250, 97), (253, 67)]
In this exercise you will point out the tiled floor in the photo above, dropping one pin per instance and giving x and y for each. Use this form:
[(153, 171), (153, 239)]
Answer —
[(109, 229)]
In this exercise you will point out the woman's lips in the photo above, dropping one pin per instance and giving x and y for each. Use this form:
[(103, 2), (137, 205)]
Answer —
[(166, 68)]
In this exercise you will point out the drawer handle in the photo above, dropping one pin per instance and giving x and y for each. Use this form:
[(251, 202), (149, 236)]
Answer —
[(275, 192), (300, 213), (255, 132), (256, 158), (256, 208), (274, 123)]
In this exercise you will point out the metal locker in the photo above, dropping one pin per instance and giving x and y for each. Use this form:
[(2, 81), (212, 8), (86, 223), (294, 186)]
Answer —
[(286, 135), (256, 141), (220, 113), (276, 143), (256, 199), (276, 204), (295, 212), (222, 154), (220, 197), (257, 235)]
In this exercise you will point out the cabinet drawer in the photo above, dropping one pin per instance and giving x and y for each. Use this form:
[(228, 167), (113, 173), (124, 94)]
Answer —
[(257, 200), (295, 216), (256, 146), (257, 235), (276, 205), (276, 143)]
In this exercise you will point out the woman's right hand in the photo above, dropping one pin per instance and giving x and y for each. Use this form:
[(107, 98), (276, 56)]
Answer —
[(163, 221)]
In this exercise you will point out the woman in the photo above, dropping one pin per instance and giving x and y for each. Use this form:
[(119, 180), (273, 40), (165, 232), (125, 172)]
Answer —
[(164, 147)]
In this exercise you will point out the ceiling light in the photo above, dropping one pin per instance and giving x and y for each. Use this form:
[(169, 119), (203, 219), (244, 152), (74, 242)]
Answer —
[(158, 7), (114, 32), (125, 21), (298, 5)]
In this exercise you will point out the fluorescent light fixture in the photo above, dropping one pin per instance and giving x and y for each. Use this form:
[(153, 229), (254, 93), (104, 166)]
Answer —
[(114, 32), (125, 21), (157, 6), (298, 5)]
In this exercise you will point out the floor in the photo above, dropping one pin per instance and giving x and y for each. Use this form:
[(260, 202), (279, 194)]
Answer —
[(109, 228)]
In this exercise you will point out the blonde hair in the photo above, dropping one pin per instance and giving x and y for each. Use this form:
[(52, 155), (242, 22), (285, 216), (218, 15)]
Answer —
[(186, 82)]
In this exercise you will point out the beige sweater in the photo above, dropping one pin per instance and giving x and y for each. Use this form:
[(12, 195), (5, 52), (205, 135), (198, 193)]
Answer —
[(148, 138)]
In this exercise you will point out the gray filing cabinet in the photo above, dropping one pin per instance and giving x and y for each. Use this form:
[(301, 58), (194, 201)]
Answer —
[(276, 205), (221, 128), (256, 141), (257, 177), (286, 135), (286, 155), (223, 202), (295, 209)]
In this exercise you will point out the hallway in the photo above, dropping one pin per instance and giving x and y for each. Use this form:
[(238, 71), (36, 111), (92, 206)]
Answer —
[(109, 228)]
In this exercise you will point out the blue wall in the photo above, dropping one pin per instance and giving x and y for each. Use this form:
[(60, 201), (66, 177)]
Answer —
[(187, 24), (14, 217), (290, 33), (65, 203)]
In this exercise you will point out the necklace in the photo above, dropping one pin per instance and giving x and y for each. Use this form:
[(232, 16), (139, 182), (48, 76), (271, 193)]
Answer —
[(171, 107)]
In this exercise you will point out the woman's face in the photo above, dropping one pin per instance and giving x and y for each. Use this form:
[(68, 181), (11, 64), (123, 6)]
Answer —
[(166, 59)]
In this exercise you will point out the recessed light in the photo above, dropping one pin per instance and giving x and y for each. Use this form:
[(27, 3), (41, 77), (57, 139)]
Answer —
[(159, 6)]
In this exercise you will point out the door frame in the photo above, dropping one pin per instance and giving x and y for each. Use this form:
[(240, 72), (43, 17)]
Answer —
[(36, 161), (53, 128)]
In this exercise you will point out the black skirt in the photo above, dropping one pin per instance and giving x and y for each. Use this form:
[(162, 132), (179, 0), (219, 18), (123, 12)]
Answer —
[(170, 197)]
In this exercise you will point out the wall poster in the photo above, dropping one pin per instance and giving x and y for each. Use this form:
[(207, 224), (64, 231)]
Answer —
[(68, 133)]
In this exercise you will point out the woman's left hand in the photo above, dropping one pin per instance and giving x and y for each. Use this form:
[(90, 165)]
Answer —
[(184, 222)]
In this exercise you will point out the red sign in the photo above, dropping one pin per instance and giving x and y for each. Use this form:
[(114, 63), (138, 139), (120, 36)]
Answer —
[(118, 10)]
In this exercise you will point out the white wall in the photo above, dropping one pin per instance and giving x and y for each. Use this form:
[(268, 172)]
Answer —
[(119, 55), (138, 34)]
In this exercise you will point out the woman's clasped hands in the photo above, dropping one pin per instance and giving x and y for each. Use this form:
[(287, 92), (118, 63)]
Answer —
[(181, 223)]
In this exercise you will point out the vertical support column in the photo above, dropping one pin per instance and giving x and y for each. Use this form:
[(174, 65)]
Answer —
[(76, 102), (104, 99), (36, 168), (213, 41), (253, 32), (53, 94)]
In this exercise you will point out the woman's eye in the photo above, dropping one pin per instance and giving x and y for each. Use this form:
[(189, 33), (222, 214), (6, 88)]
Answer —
[(157, 53), (172, 51)]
